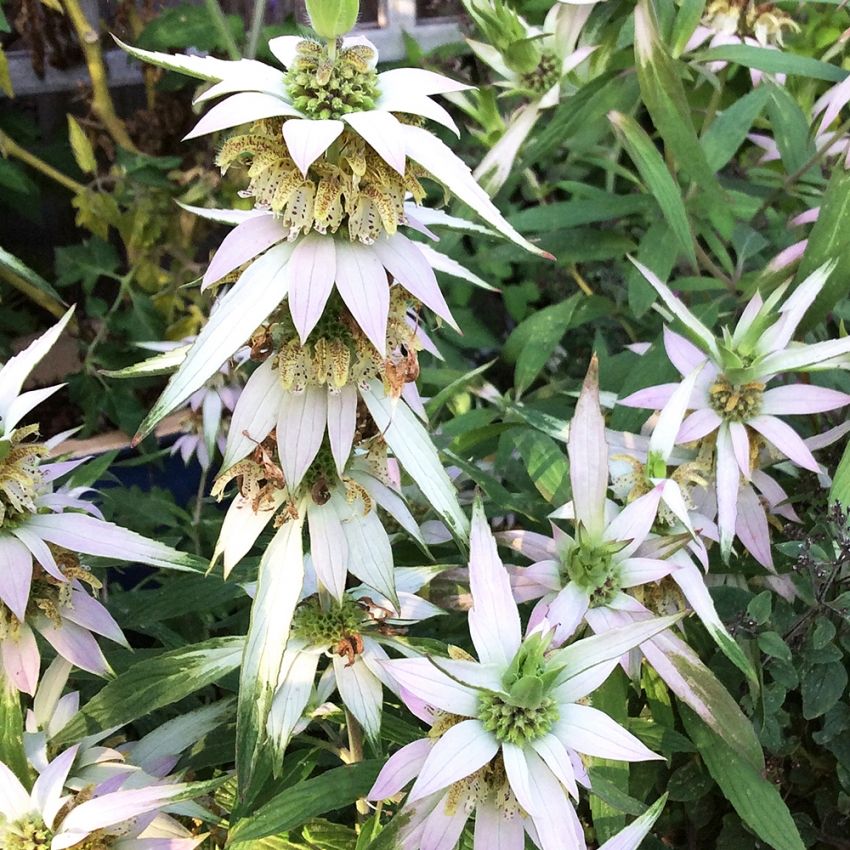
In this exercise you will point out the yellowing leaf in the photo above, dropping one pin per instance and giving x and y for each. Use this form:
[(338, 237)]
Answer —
[(81, 146), (55, 5)]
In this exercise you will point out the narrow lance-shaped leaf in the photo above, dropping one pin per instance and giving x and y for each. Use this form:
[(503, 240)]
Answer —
[(160, 364), (756, 800), (633, 835), (657, 177), (828, 242), (665, 98), (304, 801), (152, 684)]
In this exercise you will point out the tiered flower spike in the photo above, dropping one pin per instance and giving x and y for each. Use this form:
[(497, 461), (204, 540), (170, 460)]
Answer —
[(328, 292)]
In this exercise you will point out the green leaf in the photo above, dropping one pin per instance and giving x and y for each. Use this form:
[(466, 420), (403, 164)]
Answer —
[(658, 252), (600, 94), (660, 78), (304, 801), (755, 799), (612, 697), (173, 29), (23, 271), (828, 242), (729, 130), (11, 734), (773, 61), (537, 337), (565, 214), (81, 146), (86, 263), (657, 178), (160, 364), (546, 464), (822, 687), (152, 684), (696, 686), (759, 607), (790, 128), (687, 20), (770, 643), (13, 177), (457, 386), (614, 798)]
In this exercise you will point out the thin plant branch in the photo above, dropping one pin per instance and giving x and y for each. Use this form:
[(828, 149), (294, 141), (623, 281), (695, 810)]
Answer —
[(257, 20), (102, 103), (9, 147)]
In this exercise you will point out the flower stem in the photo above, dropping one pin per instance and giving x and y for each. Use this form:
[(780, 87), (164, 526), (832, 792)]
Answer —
[(355, 753), (196, 513), (220, 21), (9, 147), (102, 103), (257, 20)]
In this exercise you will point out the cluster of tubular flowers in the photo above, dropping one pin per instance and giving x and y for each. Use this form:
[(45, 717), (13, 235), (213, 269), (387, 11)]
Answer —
[(508, 731), (625, 564), (92, 796), (730, 405), (742, 22), (326, 281), (348, 638), (532, 62), (45, 530)]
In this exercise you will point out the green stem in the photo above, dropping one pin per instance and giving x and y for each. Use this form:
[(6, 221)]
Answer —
[(257, 20), (355, 754), (220, 21), (196, 513), (9, 147), (102, 104), (88, 362)]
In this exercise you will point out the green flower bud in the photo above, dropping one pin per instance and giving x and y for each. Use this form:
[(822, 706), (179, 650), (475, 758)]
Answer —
[(333, 18)]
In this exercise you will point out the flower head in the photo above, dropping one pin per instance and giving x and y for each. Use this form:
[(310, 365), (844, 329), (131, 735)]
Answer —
[(43, 531), (353, 633), (732, 406), (506, 730), (47, 818)]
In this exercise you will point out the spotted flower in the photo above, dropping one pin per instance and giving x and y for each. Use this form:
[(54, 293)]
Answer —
[(332, 98), (742, 22), (352, 634), (43, 532), (346, 533), (731, 404), (614, 561), (48, 818), (505, 730)]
